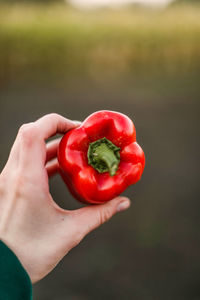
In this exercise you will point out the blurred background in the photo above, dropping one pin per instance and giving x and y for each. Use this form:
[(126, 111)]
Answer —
[(141, 58)]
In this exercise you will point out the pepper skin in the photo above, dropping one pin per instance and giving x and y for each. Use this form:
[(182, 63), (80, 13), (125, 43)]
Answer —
[(101, 158)]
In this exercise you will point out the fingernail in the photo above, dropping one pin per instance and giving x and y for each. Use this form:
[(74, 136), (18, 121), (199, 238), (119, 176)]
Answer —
[(123, 205)]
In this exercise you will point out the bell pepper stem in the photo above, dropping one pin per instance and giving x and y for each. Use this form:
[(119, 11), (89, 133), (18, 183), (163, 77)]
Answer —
[(103, 153), (104, 156)]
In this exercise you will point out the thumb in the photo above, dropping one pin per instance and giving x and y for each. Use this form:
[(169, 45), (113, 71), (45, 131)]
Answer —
[(91, 217)]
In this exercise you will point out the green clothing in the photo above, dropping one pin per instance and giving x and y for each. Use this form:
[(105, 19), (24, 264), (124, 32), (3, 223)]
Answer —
[(15, 283)]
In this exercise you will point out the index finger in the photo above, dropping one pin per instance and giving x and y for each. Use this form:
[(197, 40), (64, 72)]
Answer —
[(30, 141), (53, 123)]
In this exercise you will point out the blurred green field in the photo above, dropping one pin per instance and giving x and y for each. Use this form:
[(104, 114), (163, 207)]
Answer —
[(61, 42)]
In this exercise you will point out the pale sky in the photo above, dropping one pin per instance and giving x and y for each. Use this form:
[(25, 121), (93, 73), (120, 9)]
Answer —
[(98, 3)]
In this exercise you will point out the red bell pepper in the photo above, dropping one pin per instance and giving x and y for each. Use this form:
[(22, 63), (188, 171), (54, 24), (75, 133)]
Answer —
[(101, 158)]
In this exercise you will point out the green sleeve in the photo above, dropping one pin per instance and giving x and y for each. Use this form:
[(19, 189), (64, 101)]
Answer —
[(15, 283)]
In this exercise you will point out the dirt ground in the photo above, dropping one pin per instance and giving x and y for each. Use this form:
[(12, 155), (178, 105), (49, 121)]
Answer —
[(152, 250)]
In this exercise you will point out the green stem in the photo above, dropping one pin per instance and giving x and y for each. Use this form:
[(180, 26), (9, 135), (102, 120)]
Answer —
[(104, 156)]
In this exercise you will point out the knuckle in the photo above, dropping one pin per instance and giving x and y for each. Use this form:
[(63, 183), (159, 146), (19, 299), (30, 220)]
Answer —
[(27, 132), (53, 116), (26, 128), (104, 216)]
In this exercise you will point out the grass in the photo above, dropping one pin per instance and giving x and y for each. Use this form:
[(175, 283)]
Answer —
[(59, 41)]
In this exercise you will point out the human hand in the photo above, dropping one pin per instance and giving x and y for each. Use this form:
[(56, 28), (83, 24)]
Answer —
[(32, 225)]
